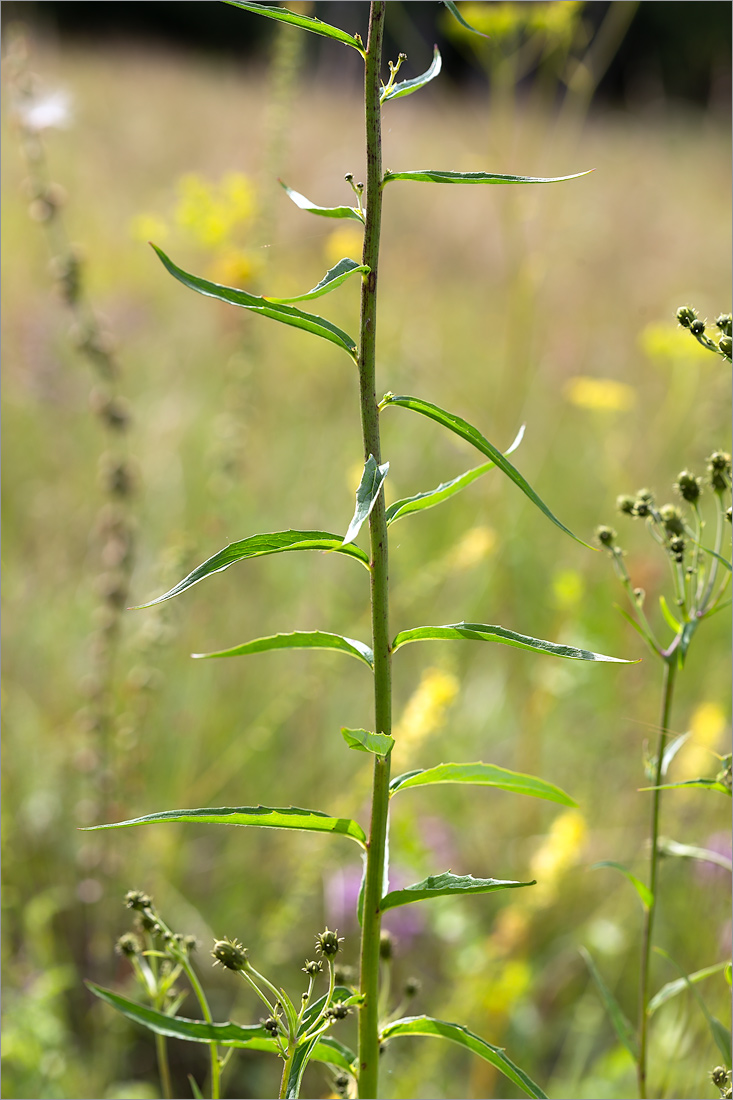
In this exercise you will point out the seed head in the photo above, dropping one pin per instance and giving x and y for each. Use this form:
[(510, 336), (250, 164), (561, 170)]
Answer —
[(686, 315), (688, 486), (606, 536), (136, 899), (337, 1012), (327, 943), (230, 954), (672, 519), (128, 945)]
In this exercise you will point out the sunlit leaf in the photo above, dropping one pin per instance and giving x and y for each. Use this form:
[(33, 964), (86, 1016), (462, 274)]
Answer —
[(323, 211), (703, 784), (299, 639), (333, 278), (667, 847), (434, 175), (455, 1033), (450, 5), (481, 632), (257, 546), (252, 1037), (618, 1018), (472, 435), (721, 1035), (671, 621), (486, 775), (679, 985), (438, 886), (445, 490), (305, 22), (407, 87), (264, 817), (378, 743), (369, 488), (671, 751), (288, 315), (645, 895)]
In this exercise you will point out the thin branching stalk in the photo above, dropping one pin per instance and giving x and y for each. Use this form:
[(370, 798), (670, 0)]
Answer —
[(670, 671), (206, 1011), (163, 1067), (371, 927)]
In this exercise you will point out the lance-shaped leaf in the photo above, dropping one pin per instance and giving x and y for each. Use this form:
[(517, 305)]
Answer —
[(473, 435), (621, 1023), (263, 817), (407, 87), (258, 546), (645, 895), (288, 315), (435, 175), (483, 775), (305, 22), (299, 639), (322, 211), (455, 1033), (667, 847), (445, 490), (679, 985), (252, 1037), (364, 741), (366, 495), (702, 783), (333, 278), (450, 5), (720, 1033), (439, 886), (481, 632), (672, 749)]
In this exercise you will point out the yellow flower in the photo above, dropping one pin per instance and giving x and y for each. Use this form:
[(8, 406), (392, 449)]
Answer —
[(212, 212), (424, 713), (560, 850), (599, 393), (234, 268), (669, 342), (707, 728), (347, 240)]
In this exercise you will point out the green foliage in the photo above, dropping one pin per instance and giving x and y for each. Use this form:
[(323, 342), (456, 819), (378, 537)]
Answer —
[(367, 492), (433, 175), (438, 886), (485, 775), (480, 632), (298, 639)]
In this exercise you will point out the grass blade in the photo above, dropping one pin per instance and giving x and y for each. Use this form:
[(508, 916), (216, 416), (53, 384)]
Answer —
[(457, 15), (447, 489), (620, 1021), (671, 751), (369, 488), (472, 435), (435, 175), (288, 315), (264, 817), (481, 632), (455, 1033), (703, 784), (333, 278), (299, 639), (258, 546), (645, 895), (720, 1034), (439, 886), (407, 87), (323, 211), (364, 741), (305, 22), (667, 847), (485, 775), (679, 985)]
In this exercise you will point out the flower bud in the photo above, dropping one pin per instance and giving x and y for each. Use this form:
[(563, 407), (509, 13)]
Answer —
[(719, 469), (327, 943), (128, 945), (688, 486), (726, 345), (697, 328), (672, 519), (625, 504), (337, 1012), (686, 315), (412, 987), (677, 548), (725, 323), (230, 954), (271, 1024), (719, 1076), (606, 536), (386, 945), (136, 899), (312, 967)]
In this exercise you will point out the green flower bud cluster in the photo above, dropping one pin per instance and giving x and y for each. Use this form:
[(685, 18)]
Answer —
[(721, 1078), (688, 318), (719, 470)]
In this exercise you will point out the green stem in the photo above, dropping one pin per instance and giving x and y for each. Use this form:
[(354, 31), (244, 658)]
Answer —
[(286, 1074), (163, 1068), (206, 1012), (376, 850), (670, 671)]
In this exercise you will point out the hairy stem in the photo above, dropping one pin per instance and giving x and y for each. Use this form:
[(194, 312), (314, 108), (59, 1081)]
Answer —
[(372, 916), (670, 671)]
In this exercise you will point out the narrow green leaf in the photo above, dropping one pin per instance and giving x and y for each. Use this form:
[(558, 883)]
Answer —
[(288, 315), (667, 847), (299, 639), (341, 995), (485, 775), (197, 1094), (333, 278), (366, 495), (438, 886), (645, 895), (305, 22), (364, 741), (637, 627), (434, 175), (265, 817), (457, 15), (323, 211), (671, 621), (703, 784), (258, 546), (252, 1037), (407, 87), (302, 1056), (472, 435), (445, 490), (729, 974), (679, 985), (720, 1034), (715, 554), (455, 1033), (618, 1018), (481, 632), (671, 751)]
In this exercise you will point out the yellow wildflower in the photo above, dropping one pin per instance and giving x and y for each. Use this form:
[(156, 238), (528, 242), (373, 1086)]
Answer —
[(599, 393), (235, 268), (560, 851), (707, 727), (568, 588), (424, 713), (347, 240), (670, 342)]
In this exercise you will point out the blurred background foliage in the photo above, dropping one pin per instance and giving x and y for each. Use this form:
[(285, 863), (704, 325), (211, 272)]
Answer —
[(551, 306)]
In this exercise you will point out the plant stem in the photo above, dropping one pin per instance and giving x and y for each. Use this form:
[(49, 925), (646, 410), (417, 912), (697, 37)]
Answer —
[(163, 1068), (376, 849), (670, 671), (206, 1012), (286, 1074)]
